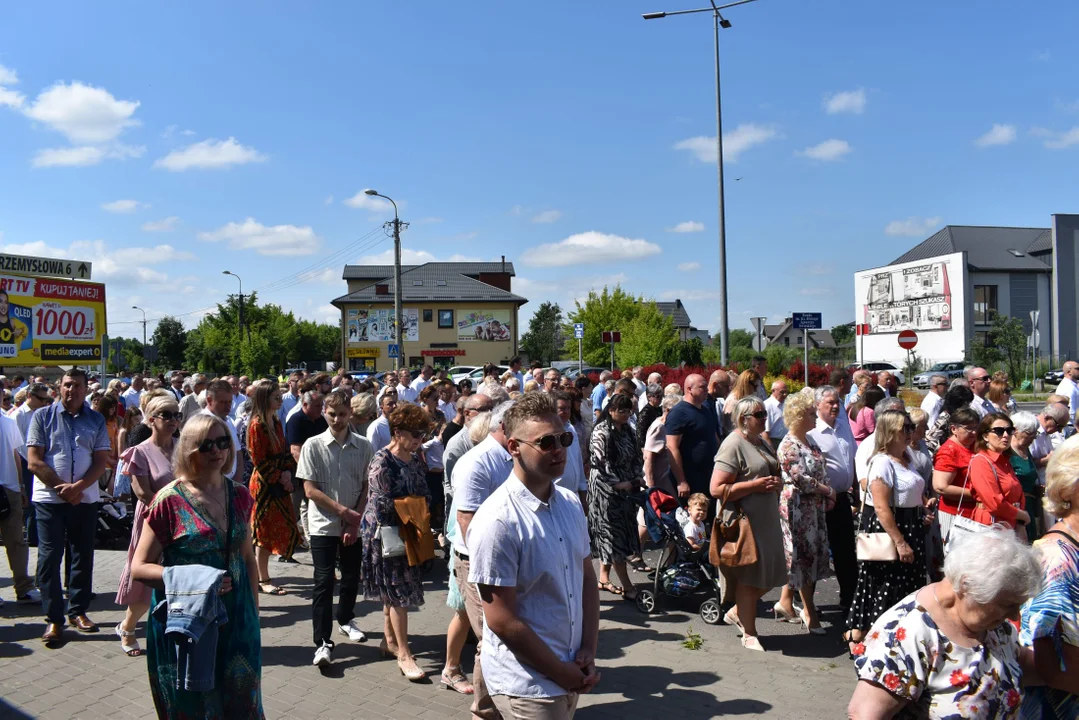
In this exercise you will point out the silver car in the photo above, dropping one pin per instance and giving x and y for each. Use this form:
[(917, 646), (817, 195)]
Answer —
[(950, 370)]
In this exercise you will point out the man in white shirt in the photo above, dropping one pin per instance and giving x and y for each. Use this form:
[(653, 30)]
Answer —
[(836, 443), (133, 394), (405, 393), (378, 432), (887, 382), (573, 477), (638, 380), (190, 405), (176, 386), (934, 399), (515, 368), (422, 380), (12, 443), (239, 397), (533, 567), (1069, 388), (291, 397), (979, 381), (774, 425), (219, 404)]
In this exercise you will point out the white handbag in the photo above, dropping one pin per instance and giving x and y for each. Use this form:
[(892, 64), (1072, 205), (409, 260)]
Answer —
[(964, 527), (392, 544), (874, 547)]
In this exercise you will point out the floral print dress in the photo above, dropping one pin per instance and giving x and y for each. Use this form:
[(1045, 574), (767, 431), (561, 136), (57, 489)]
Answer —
[(802, 512), (612, 515), (273, 520), (907, 654)]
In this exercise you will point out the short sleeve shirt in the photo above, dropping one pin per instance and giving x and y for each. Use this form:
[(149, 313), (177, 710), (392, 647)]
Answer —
[(339, 470), (300, 428), (906, 485), (952, 457), (697, 427), (69, 442), (10, 439)]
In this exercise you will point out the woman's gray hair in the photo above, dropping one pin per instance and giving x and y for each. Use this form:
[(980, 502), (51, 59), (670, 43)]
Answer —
[(480, 427), (985, 565), (743, 407), (1025, 422), (823, 390), (654, 390), (669, 401), (1058, 413), (498, 413), (892, 403)]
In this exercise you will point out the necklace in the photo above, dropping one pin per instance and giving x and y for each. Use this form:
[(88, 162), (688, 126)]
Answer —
[(201, 495)]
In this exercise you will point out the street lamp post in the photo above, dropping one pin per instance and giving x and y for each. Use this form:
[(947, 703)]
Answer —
[(241, 315), (397, 318), (136, 307), (718, 22)]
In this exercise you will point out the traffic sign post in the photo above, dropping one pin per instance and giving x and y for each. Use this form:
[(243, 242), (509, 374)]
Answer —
[(612, 337), (45, 267), (578, 332), (806, 322), (908, 339), (394, 351)]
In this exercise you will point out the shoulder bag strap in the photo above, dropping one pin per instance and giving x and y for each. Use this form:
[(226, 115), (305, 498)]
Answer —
[(1072, 540), (869, 492), (228, 525)]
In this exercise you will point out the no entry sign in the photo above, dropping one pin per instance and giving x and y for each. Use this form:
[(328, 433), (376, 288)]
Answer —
[(908, 339)]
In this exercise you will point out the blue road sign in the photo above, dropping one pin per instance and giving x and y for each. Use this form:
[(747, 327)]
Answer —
[(395, 351), (578, 331), (806, 321)]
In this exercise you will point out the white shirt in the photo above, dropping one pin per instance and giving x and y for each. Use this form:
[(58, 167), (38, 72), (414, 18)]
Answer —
[(694, 532), (22, 417), (982, 406), (862, 457), (887, 394), (295, 409), (931, 405), (642, 401), (419, 384), (288, 402), (540, 549), (773, 424), (235, 442), (1070, 390), (448, 409), (476, 476), (378, 433), (838, 447), (237, 402), (1042, 446), (11, 438), (641, 387), (906, 484), (131, 397), (573, 477), (406, 394)]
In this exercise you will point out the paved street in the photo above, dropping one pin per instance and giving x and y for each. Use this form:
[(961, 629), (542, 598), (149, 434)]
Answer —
[(646, 671)]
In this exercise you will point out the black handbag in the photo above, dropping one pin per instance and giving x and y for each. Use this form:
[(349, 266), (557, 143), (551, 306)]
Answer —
[(5, 504)]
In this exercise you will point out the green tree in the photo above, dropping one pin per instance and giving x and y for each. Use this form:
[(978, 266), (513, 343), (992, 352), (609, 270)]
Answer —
[(738, 338), (842, 334), (543, 342), (170, 339), (647, 338), (690, 352), (1005, 346), (608, 310)]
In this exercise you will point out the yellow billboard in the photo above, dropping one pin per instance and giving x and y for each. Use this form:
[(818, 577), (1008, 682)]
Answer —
[(46, 321)]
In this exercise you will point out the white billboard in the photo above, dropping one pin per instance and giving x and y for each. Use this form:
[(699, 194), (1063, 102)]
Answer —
[(927, 296)]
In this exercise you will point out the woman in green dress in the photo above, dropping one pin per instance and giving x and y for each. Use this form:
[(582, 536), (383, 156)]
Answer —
[(202, 518), (1026, 431)]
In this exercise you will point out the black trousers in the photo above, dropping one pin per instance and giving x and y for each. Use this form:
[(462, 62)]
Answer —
[(841, 540), (325, 551), (63, 526)]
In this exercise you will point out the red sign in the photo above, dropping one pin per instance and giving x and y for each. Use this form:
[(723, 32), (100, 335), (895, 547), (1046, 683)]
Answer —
[(612, 336), (908, 339), (441, 353), (861, 329)]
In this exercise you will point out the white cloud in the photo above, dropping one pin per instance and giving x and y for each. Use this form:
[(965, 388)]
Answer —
[(166, 225), (579, 287), (689, 226), (912, 227), (547, 216), (10, 98), (266, 240), (109, 264), (210, 154), (735, 142), (83, 113), (8, 76), (161, 254), (689, 266), (1057, 140), (827, 151), (122, 207), (533, 287), (588, 247), (84, 155), (328, 313), (689, 295), (412, 257), (997, 135), (362, 201), (850, 101)]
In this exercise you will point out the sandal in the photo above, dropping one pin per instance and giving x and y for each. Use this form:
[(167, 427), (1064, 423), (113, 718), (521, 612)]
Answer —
[(386, 650), (268, 588), (640, 565), (457, 681), (612, 589), (128, 643)]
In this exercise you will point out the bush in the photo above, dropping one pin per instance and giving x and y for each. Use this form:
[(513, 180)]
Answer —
[(818, 374), (793, 384)]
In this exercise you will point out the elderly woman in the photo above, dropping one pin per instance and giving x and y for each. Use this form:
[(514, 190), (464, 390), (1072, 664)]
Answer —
[(994, 486), (948, 650), (747, 478), (396, 471), (1051, 619), (893, 505), (950, 466), (364, 412), (803, 502), (649, 412), (616, 472), (1026, 469)]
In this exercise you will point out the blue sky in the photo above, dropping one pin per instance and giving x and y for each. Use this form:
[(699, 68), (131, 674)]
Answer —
[(170, 142)]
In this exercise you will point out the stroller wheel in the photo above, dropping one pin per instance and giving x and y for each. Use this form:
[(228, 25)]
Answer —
[(646, 601), (710, 611)]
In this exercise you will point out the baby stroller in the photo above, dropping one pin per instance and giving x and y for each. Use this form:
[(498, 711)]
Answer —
[(681, 570), (114, 524)]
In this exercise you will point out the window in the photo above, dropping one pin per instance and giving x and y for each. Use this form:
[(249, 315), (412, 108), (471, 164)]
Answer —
[(787, 341), (799, 339), (427, 315), (985, 304), (445, 318)]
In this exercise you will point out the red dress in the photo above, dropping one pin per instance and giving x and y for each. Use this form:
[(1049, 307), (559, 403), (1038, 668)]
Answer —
[(273, 522), (952, 457), (996, 488)]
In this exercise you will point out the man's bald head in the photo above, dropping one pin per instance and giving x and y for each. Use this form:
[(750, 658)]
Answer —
[(719, 383), (696, 389)]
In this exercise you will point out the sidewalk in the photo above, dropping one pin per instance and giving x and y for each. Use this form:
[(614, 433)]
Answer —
[(646, 671)]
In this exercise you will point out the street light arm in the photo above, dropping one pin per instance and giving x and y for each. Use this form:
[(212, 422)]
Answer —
[(713, 9), (375, 193)]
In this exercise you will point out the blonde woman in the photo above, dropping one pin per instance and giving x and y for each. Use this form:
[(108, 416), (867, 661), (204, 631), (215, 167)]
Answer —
[(747, 385)]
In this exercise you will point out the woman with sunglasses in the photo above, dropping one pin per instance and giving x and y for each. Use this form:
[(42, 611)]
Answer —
[(396, 471), (149, 465), (203, 518), (617, 470), (894, 505), (997, 492)]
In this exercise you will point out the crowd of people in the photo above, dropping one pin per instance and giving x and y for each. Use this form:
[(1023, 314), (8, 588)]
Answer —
[(949, 527)]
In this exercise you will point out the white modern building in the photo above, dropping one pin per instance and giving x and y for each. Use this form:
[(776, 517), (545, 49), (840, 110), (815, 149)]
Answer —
[(948, 288)]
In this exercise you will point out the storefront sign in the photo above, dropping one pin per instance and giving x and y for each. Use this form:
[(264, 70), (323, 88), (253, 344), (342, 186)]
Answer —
[(364, 352), (442, 353), (50, 322), (486, 325)]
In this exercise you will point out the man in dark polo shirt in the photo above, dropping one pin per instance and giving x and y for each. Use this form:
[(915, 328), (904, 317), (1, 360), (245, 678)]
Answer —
[(692, 440), (302, 426)]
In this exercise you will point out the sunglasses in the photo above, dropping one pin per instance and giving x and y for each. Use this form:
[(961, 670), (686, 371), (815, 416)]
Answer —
[(982, 379), (760, 415), (43, 398), (222, 443), (169, 416), (1002, 431), (547, 442), (414, 434), (908, 427)]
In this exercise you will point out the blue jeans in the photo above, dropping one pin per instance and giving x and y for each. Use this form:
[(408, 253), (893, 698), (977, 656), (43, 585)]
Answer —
[(61, 525)]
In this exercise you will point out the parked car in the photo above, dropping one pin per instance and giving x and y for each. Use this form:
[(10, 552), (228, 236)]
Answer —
[(457, 372), (950, 370), (477, 375), (573, 372), (1054, 377), (877, 367)]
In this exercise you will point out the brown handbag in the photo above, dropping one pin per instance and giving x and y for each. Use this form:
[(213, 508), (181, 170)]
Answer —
[(733, 544)]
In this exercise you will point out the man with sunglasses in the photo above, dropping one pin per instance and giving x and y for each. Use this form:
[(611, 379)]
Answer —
[(532, 564), (573, 478), (979, 380), (934, 399)]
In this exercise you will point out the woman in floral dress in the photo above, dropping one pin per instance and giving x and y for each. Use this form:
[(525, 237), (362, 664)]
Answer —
[(396, 471), (803, 502)]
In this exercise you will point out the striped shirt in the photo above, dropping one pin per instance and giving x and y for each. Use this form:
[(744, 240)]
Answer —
[(339, 470)]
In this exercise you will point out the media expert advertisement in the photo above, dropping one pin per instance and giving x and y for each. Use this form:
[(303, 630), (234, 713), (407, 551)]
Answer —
[(377, 325), (50, 322), (489, 325), (916, 297)]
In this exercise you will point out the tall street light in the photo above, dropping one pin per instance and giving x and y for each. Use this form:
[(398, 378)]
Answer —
[(400, 326), (136, 307), (229, 272), (719, 22)]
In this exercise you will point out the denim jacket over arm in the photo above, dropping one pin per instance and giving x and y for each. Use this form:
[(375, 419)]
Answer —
[(192, 611)]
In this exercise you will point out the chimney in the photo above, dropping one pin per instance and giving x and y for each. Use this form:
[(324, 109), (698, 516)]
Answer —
[(503, 263)]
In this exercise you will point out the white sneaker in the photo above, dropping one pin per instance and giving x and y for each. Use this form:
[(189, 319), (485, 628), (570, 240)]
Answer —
[(323, 656), (32, 597), (353, 631)]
